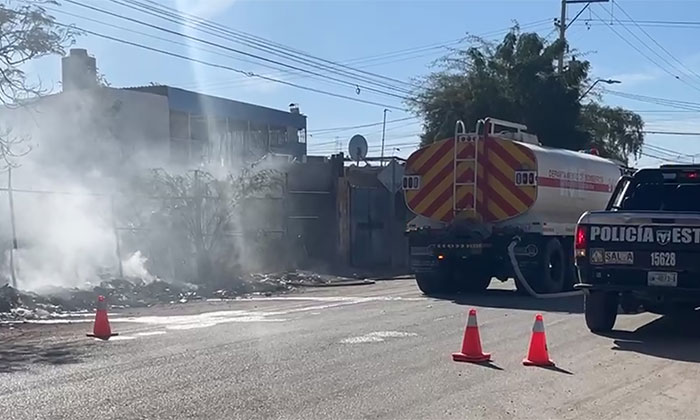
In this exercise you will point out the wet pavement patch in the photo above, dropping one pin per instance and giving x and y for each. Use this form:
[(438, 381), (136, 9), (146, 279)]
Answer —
[(377, 337)]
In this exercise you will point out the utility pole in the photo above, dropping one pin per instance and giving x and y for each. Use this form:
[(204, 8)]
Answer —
[(381, 160), (118, 249), (563, 25), (562, 35), (13, 249)]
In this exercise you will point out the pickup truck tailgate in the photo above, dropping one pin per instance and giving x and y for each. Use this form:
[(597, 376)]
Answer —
[(645, 251)]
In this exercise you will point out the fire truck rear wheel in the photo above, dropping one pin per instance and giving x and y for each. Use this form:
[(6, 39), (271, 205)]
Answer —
[(434, 283), (474, 283), (552, 269)]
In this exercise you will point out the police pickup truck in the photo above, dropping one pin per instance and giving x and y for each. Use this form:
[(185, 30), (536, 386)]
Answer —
[(643, 251)]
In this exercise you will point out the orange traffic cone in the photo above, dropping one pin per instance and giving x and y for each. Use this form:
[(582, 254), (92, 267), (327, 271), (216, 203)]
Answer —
[(101, 328), (538, 354), (471, 345)]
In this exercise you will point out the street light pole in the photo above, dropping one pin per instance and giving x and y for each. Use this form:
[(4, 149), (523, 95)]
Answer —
[(606, 81), (381, 160)]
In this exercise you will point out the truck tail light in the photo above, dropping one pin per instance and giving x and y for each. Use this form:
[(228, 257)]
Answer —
[(580, 241)]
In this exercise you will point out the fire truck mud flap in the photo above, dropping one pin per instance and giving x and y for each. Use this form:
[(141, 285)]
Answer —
[(522, 282)]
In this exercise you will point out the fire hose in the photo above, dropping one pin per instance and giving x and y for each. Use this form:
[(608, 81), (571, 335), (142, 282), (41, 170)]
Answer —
[(522, 282)]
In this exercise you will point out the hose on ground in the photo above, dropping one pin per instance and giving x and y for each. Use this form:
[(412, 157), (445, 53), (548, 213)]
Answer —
[(526, 285)]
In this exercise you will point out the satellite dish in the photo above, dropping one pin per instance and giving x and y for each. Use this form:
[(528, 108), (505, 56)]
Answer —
[(357, 148)]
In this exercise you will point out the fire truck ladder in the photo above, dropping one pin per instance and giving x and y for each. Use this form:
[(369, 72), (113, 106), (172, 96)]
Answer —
[(461, 136)]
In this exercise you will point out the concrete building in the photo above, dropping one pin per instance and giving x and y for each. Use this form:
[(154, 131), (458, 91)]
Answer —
[(161, 124)]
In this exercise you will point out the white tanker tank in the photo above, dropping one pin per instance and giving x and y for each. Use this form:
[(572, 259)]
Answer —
[(474, 193)]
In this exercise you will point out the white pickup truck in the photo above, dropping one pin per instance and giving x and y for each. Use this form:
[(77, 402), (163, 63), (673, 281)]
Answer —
[(643, 251)]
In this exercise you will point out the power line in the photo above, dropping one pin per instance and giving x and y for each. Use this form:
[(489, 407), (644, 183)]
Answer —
[(392, 56), (229, 68), (661, 111), (672, 133), (352, 127), (154, 37), (656, 42), (234, 50), (258, 43), (368, 134), (663, 150), (650, 23), (245, 35), (653, 61), (159, 38), (671, 103)]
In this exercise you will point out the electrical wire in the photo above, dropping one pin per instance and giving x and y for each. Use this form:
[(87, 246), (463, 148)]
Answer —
[(673, 57), (260, 44), (210, 51), (233, 50), (671, 103), (229, 68), (636, 48), (651, 23), (353, 127), (441, 46)]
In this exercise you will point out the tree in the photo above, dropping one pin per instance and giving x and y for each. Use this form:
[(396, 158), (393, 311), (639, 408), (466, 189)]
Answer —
[(27, 32), (204, 207), (616, 132), (516, 80)]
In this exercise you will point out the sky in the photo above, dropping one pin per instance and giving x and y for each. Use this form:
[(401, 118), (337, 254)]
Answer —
[(649, 46)]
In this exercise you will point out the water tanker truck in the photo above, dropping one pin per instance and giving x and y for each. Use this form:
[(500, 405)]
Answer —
[(496, 203)]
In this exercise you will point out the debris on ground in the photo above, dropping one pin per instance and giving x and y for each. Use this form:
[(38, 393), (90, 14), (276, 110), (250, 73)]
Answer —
[(122, 293)]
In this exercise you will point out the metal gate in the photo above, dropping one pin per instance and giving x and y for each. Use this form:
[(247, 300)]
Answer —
[(369, 241)]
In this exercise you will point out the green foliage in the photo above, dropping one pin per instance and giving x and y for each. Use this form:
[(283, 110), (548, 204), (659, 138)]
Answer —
[(516, 80), (615, 132)]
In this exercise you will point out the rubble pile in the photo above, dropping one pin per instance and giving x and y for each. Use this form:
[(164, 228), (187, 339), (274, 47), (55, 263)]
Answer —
[(134, 293)]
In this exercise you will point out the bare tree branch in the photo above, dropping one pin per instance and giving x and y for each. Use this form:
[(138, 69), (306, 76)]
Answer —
[(27, 32)]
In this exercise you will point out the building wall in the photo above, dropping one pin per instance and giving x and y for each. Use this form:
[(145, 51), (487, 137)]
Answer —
[(101, 127), (225, 131)]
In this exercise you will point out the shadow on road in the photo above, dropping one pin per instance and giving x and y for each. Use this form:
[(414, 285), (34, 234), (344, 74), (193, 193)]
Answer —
[(666, 337), (502, 298), (15, 357)]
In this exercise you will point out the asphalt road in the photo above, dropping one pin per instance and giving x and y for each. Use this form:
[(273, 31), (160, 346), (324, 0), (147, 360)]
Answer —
[(380, 351)]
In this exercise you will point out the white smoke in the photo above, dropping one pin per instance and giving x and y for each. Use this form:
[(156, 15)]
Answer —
[(64, 240), (85, 147), (62, 189), (135, 267)]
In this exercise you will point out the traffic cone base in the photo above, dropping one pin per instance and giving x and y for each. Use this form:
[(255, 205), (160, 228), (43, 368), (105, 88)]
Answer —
[(471, 345), (528, 362), (461, 357), (101, 328), (101, 337), (537, 354)]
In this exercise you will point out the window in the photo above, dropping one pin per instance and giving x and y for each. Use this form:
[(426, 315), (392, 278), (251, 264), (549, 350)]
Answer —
[(663, 197)]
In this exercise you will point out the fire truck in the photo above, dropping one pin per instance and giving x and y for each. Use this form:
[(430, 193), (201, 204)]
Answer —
[(496, 203)]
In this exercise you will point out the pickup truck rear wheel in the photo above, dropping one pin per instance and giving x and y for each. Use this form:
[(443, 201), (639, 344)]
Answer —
[(601, 310)]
